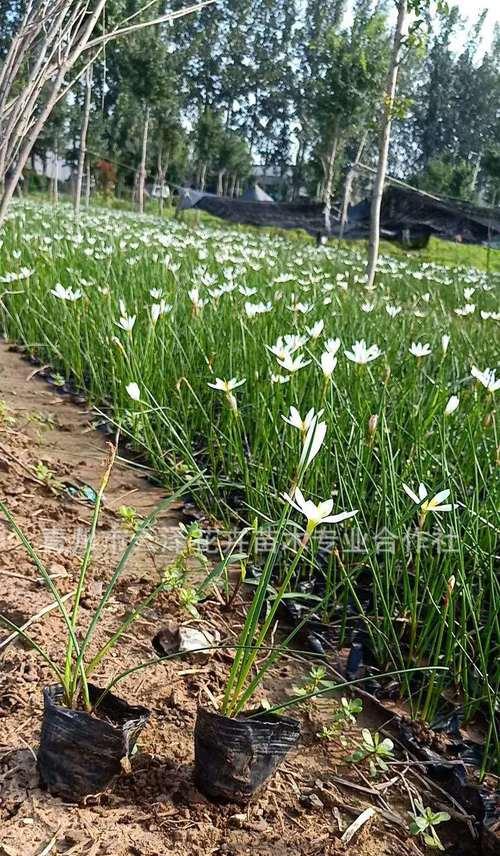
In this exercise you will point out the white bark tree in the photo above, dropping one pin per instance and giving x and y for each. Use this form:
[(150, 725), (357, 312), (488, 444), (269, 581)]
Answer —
[(36, 72), (329, 176), (83, 142), (141, 176), (385, 136)]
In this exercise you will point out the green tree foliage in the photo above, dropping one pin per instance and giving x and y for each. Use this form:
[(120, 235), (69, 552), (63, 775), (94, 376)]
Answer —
[(286, 82)]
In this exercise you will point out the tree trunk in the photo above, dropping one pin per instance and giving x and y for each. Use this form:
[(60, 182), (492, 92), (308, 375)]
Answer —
[(383, 152), (87, 184), (220, 176), (299, 163), (203, 175), (83, 142), (475, 174), (142, 167), (348, 185), (232, 187), (160, 177), (327, 190), (56, 173)]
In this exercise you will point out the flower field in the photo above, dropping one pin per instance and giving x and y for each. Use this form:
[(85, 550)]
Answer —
[(256, 364)]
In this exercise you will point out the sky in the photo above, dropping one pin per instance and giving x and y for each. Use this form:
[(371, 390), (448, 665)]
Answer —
[(470, 9)]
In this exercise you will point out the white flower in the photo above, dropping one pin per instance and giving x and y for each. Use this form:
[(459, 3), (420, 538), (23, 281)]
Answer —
[(126, 323), (156, 293), (468, 292), (419, 350), (367, 307), (280, 350), (332, 346), (296, 421), (65, 293), (301, 307), (313, 441), (158, 309), (253, 309), (434, 504), (452, 405), (227, 385), (445, 341), (293, 342), (293, 364), (23, 273), (196, 300), (361, 354), (468, 309), (134, 391), (393, 310), (316, 514), (279, 378), (316, 330), (487, 378), (328, 363)]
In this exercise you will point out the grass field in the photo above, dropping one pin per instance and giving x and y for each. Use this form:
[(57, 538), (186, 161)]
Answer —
[(145, 315)]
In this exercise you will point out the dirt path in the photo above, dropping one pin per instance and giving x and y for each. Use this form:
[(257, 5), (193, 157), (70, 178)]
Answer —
[(155, 810)]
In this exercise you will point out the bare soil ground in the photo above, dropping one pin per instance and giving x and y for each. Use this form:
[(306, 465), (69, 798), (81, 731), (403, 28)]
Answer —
[(155, 810)]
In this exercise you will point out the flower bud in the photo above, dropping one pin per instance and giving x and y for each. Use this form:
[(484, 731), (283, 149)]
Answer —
[(452, 405)]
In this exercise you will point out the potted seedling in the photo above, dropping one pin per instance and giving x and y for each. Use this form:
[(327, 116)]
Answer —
[(238, 746), (88, 734)]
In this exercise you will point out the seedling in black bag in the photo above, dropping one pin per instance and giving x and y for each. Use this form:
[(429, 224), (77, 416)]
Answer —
[(86, 731)]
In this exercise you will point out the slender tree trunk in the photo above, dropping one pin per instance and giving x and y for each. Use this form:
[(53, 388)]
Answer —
[(142, 168), (348, 185), (385, 136), (56, 173), (87, 184), (220, 176), (83, 142), (203, 175), (328, 188), (299, 161), (475, 174), (232, 186), (162, 171)]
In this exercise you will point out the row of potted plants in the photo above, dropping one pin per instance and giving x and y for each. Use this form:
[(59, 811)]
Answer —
[(89, 734)]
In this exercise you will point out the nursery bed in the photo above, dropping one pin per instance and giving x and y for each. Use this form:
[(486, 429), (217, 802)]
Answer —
[(155, 809)]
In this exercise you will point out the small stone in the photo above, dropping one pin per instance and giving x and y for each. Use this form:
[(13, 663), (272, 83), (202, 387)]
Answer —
[(311, 800), (238, 820)]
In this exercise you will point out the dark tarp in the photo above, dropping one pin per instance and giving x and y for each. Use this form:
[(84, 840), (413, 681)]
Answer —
[(452, 219), (407, 215), (256, 194)]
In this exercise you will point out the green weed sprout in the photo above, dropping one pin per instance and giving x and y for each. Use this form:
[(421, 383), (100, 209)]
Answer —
[(424, 824), (376, 750)]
